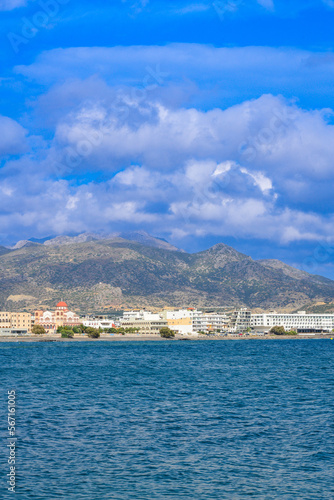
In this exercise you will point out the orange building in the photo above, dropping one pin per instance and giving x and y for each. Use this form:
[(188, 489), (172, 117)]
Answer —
[(51, 320)]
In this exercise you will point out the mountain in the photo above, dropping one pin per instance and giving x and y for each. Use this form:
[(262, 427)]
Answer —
[(139, 236), (94, 274)]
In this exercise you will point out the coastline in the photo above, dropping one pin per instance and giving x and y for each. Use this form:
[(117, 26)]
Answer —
[(157, 338)]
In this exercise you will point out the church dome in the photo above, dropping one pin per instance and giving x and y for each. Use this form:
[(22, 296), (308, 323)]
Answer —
[(62, 304)]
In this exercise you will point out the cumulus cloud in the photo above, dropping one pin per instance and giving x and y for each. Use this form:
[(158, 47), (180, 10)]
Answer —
[(257, 169), (125, 149), (191, 201), (179, 75), (12, 136), (269, 134)]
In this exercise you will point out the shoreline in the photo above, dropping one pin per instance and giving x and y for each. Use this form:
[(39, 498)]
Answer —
[(157, 338)]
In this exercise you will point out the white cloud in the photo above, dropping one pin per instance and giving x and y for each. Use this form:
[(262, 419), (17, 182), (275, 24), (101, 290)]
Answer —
[(258, 169), (267, 4), (12, 136), (264, 135), (192, 8), (12, 4)]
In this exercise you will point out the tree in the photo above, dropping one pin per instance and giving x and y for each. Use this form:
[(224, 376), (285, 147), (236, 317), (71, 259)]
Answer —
[(278, 330), (38, 330), (67, 334), (92, 333), (167, 333), (112, 330), (76, 329), (292, 332)]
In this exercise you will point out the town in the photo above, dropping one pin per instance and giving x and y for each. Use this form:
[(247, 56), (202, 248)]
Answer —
[(168, 322)]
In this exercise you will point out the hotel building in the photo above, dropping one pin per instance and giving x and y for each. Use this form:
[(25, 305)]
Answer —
[(240, 320), (146, 322), (301, 322), (189, 321)]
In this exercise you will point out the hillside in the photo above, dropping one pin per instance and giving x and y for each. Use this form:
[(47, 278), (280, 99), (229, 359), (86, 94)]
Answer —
[(96, 275)]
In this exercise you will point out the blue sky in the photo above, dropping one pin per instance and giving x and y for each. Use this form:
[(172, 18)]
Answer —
[(200, 122)]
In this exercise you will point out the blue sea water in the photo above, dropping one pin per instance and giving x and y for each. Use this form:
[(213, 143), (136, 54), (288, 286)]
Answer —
[(174, 420)]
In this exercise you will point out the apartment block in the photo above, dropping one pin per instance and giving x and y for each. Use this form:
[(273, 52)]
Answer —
[(240, 320), (146, 322), (15, 321)]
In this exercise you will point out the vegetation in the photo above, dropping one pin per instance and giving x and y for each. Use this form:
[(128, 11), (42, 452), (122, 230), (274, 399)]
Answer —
[(92, 333), (38, 330), (121, 330), (278, 330), (167, 333), (67, 334)]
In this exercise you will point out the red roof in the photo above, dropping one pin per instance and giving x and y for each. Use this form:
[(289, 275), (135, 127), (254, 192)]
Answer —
[(61, 304)]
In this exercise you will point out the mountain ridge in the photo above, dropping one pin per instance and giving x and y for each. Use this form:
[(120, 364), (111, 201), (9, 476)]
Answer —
[(101, 275), (139, 236)]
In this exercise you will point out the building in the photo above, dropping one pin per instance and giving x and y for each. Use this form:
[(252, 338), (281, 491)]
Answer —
[(51, 320), (301, 322), (240, 320), (190, 321), (179, 321), (214, 322), (15, 321), (146, 322), (98, 322)]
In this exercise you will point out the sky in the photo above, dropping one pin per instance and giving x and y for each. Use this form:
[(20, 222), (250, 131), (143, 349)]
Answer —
[(198, 122)]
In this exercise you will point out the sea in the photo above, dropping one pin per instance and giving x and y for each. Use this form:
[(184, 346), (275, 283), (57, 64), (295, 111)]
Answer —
[(199, 420)]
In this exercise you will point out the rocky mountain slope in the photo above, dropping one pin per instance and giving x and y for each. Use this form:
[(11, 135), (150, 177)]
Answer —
[(102, 274)]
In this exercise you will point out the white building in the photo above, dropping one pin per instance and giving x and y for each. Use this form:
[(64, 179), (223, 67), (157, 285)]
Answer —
[(301, 322), (180, 321), (145, 321), (240, 320), (209, 322), (191, 321), (96, 322)]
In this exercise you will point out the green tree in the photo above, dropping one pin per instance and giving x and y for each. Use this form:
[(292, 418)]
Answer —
[(167, 333), (292, 332), (38, 330), (278, 330), (93, 333), (76, 329), (67, 334)]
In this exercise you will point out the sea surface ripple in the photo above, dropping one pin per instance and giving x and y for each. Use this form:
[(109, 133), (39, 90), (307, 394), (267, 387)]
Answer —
[(174, 420)]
